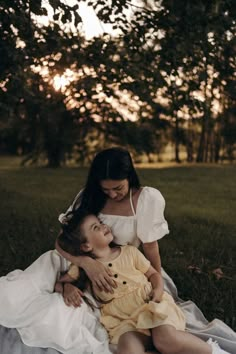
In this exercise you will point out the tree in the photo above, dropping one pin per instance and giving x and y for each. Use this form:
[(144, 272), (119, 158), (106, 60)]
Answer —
[(190, 44), (170, 64), (24, 45)]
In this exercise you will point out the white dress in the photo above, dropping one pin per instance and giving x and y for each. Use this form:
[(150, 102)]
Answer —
[(146, 225), (29, 304)]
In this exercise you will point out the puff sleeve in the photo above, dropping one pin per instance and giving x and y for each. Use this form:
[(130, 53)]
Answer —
[(151, 223)]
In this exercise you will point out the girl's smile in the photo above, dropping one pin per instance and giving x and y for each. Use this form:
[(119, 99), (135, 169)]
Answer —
[(98, 235)]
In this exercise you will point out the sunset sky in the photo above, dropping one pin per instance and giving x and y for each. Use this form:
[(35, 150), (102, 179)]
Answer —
[(91, 24)]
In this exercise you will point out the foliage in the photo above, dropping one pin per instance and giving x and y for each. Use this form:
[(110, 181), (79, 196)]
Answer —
[(188, 50), (171, 67)]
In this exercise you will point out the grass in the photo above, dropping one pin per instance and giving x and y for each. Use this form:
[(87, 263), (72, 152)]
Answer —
[(200, 209)]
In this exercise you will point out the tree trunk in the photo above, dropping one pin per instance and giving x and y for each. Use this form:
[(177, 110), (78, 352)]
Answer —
[(201, 148), (189, 142), (217, 148), (189, 148), (177, 159), (54, 158)]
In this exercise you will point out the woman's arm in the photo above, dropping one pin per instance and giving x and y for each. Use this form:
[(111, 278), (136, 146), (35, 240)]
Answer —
[(80, 261), (151, 252), (100, 276)]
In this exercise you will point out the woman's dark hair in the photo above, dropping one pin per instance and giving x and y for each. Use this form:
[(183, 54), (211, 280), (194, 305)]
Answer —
[(113, 163)]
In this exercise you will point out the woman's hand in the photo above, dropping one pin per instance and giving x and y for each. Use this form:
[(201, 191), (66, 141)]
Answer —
[(100, 276), (72, 295)]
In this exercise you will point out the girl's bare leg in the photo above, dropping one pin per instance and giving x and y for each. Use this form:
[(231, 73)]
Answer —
[(135, 343), (168, 340)]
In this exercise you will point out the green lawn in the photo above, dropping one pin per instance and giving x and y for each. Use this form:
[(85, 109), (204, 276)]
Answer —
[(200, 209)]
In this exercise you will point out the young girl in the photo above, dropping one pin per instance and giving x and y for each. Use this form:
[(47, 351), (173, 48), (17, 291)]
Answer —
[(138, 308)]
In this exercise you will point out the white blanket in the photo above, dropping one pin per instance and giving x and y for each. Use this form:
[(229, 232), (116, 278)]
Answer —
[(28, 303)]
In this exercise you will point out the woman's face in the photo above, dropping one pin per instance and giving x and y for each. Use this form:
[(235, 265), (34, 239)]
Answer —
[(115, 189)]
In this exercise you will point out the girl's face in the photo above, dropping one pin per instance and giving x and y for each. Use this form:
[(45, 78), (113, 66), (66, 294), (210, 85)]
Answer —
[(98, 235), (115, 189)]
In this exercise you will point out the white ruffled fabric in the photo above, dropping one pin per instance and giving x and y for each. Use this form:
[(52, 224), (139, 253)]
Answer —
[(147, 225), (216, 348), (151, 223), (197, 324), (28, 303)]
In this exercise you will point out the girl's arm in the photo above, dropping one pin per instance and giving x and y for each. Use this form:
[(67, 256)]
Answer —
[(60, 283), (58, 287), (157, 284), (65, 278), (100, 276), (71, 294)]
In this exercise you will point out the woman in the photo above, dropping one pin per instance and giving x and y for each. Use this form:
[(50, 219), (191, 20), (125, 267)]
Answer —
[(136, 216), (113, 192)]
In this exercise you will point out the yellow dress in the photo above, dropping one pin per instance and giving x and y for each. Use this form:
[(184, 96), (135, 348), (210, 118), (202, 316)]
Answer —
[(129, 308)]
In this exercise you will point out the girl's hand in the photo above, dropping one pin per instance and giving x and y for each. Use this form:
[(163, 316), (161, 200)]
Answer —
[(156, 294), (72, 295), (157, 284), (100, 276), (58, 288)]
